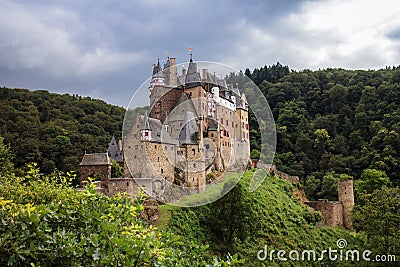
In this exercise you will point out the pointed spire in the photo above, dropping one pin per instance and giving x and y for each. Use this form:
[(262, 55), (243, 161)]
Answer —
[(113, 140), (157, 68), (190, 50), (145, 123)]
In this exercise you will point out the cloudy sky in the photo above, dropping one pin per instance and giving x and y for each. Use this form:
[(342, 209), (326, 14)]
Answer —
[(105, 48)]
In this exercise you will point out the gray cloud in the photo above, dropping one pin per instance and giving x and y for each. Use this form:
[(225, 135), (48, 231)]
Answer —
[(105, 49)]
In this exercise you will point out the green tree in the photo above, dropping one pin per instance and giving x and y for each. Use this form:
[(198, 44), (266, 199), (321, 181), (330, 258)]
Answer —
[(371, 180), (6, 165), (379, 218), (116, 170)]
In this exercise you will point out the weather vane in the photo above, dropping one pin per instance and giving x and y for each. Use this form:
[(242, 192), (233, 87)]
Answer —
[(190, 50)]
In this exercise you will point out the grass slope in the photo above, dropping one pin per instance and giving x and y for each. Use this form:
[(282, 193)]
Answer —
[(270, 216)]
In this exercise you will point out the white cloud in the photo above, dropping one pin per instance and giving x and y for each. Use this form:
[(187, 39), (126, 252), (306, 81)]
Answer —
[(333, 33), (351, 34)]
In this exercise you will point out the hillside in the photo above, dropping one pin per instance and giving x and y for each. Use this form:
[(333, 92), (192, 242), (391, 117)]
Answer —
[(332, 122), (243, 223), (55, 130)]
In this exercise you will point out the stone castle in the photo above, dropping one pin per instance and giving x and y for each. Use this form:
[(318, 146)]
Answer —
[(336, 213), (196, 124)]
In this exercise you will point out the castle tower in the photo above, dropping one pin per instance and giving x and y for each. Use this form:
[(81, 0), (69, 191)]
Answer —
[(157, 83), (346, 197), (172, 73), (96, 165), (145, 131)]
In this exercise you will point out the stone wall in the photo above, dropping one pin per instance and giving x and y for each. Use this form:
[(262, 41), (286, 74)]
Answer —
[(103, 171), (346, 197), (129, 185), (332, 212), (162, 101)]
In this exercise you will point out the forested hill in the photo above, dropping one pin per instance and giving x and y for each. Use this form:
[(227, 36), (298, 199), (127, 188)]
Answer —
[(55, 130), (333, 122)]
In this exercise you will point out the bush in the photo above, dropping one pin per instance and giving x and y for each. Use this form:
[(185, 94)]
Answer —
[(45, 222)]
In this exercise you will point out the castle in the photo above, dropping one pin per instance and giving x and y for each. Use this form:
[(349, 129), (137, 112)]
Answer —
[(336, 213), (196, 125)]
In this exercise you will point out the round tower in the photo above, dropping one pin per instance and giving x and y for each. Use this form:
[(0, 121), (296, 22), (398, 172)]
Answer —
[(157, 83), (346, 197)]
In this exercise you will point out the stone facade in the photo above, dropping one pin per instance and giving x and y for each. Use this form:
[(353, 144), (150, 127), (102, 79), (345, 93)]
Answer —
[(195, 125), (346, 196), (95, 166), (336, 213)]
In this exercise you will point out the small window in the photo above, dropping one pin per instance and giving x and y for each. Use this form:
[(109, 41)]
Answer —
[(155, 146), (212, 135), (193, 151), (158, 159), (127, 183), (162, 171), (194, 165)]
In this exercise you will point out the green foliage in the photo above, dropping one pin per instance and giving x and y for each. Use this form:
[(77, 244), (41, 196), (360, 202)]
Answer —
[(242, 223), (379, 218), (116, 170), (55, 130), (371, 180), (6, 165), (333, 120), (255, 154), (45, 222)]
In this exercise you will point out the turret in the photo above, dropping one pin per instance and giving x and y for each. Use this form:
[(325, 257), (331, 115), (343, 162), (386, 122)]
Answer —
[(346, 197), (145, 131), (157, 78)]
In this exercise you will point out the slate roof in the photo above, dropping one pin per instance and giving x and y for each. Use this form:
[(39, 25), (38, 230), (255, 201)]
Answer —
[(96, 159), (145, 122), (188, 130), (114, 150), (212, 126)]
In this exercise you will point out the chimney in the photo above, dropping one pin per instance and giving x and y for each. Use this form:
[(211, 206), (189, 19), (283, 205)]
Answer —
[(173, 73), (204, 75)]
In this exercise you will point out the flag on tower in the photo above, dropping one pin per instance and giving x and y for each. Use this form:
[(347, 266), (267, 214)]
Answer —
[(190, 49)]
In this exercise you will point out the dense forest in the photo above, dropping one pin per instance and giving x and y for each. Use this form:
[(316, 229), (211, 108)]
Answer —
[(333, 123), (55, 130)]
